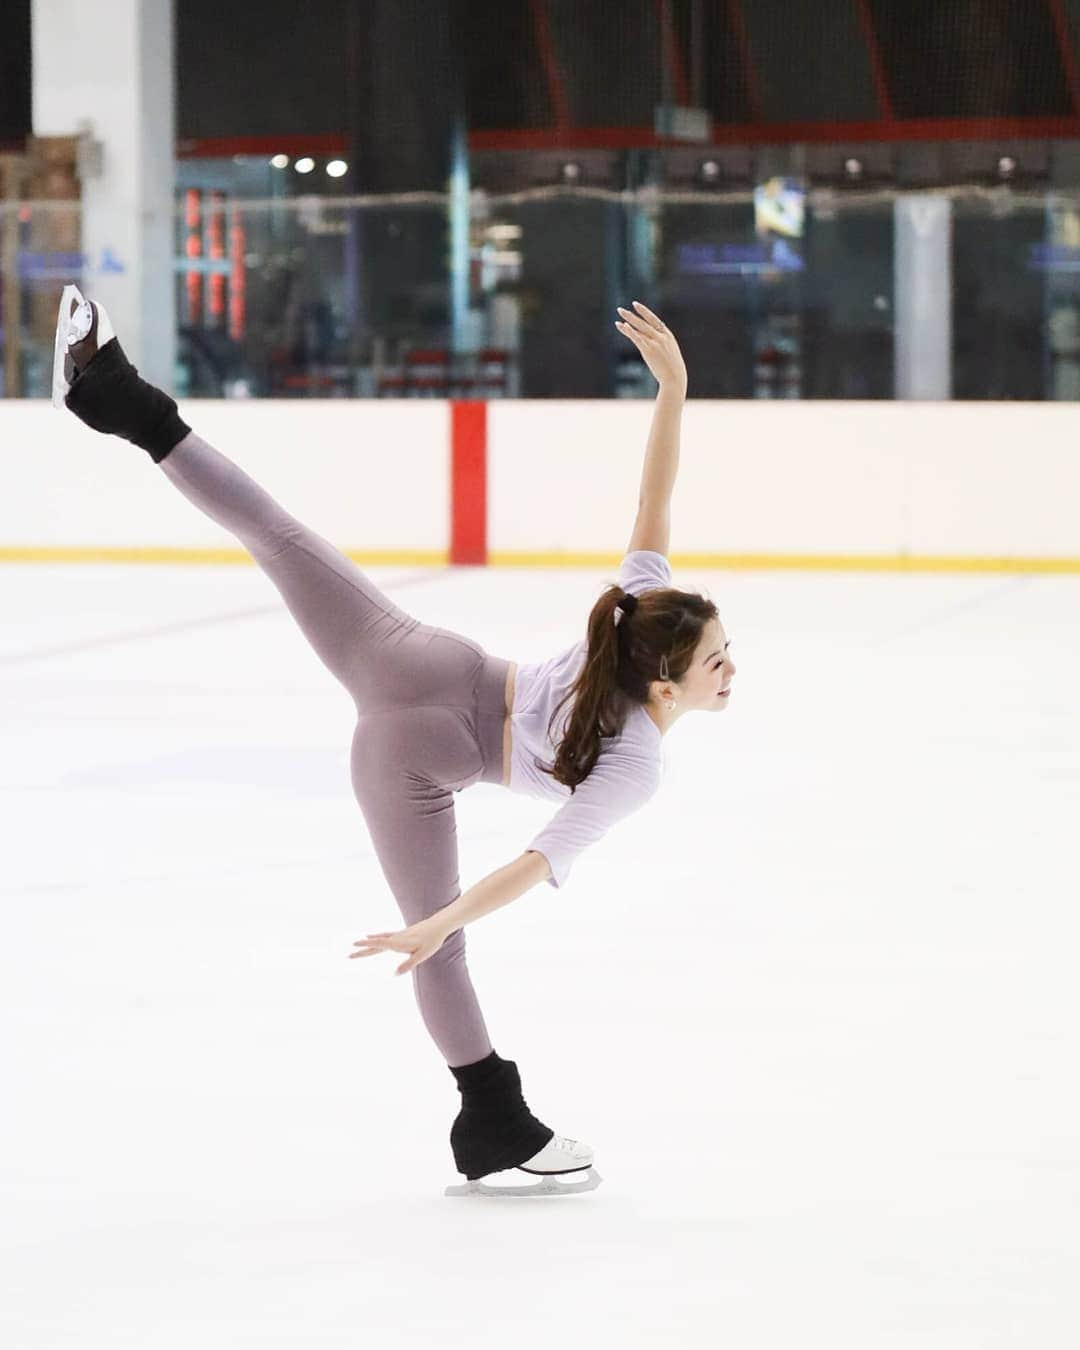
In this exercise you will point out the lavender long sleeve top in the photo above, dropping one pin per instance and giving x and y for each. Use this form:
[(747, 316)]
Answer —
[(629, 767)]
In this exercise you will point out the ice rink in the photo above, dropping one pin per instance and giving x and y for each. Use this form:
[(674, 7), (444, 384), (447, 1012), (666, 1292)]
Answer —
[(814, 1007)]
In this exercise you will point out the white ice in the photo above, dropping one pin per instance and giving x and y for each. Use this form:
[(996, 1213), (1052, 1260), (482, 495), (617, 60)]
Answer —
[(815, 1008)]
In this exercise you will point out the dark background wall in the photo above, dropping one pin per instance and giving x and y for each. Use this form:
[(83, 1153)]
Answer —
[(271, 67), (15, 116), (261, 67), (392, 79)]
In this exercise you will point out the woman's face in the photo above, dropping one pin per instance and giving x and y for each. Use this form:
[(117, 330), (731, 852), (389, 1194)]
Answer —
[(705, 684)]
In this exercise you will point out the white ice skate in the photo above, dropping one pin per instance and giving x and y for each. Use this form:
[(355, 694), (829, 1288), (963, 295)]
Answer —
[(557, 1158), (77, 320)]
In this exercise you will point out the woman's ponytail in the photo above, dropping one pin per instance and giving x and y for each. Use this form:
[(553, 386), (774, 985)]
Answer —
[(628, 638)]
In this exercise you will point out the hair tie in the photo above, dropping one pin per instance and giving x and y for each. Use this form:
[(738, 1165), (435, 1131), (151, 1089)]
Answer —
[(625, 606)]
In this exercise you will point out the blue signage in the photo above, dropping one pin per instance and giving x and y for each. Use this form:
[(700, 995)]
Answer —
[(739, 259), (64, 266), (1055, 258)]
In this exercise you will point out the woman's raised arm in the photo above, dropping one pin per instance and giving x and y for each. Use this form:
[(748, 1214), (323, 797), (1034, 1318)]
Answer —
[(661, 354)]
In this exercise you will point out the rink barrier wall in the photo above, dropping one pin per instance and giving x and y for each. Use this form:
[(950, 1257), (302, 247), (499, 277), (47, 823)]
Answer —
[(883, 486)]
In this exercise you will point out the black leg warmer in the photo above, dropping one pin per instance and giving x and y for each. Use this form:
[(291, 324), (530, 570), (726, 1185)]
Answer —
[(111, 396), (495, 1128)]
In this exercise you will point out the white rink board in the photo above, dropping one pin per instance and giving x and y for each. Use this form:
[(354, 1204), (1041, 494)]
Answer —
[(766, 478), (959, 479), (365, 474)]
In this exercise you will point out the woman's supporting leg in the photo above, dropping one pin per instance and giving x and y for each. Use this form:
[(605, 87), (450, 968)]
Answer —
[(339, 609), (406, 766)]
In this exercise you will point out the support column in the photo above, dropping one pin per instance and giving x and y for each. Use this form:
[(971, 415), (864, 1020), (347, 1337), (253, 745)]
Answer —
[(923, 309), (113, 69)]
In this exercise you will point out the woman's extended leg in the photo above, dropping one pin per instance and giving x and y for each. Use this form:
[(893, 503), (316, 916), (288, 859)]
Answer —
[(339, 609), (384, 657), (430, 702)]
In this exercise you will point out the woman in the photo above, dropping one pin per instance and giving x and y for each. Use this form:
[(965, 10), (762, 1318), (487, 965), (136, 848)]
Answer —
[(436, 713)]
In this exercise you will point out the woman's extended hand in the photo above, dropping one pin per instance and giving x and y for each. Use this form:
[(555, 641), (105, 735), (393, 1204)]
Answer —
[(420, 940), (656, 343)]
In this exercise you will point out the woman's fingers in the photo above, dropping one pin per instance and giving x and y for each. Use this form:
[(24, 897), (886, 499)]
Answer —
[(650, 316), (374, 944), (645, 321), (639, 340), (417, 942), (636, 322)]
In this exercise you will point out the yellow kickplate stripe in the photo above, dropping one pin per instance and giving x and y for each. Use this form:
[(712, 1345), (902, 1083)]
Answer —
[(373, 557), (796, 562)]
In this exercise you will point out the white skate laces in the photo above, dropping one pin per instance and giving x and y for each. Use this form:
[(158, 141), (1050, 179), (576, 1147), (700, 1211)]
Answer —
[(558, 1158), (560, 1155)]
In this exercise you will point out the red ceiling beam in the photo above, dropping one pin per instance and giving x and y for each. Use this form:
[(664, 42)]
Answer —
[(788, 133), (751, 83), (1065, 47), (877, 66), (670, 44), (215, 147), (633, 138), (560, 104)]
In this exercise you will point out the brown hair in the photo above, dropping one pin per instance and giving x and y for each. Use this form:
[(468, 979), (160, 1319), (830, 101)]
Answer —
[(621, 661)]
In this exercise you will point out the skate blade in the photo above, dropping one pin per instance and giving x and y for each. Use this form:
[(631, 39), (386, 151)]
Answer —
[(549, 1185), (61, 385), (73, 327)]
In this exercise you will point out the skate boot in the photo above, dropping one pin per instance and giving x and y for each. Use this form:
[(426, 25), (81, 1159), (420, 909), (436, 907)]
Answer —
[(495, 1130), (95, 380)]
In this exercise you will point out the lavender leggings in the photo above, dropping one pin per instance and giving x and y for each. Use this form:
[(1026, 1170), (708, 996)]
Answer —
[(430, 708)]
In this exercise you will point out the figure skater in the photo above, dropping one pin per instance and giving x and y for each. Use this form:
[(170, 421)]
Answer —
[(436, 713)]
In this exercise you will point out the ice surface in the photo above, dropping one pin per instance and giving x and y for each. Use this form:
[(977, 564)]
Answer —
[(815, 1008)]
